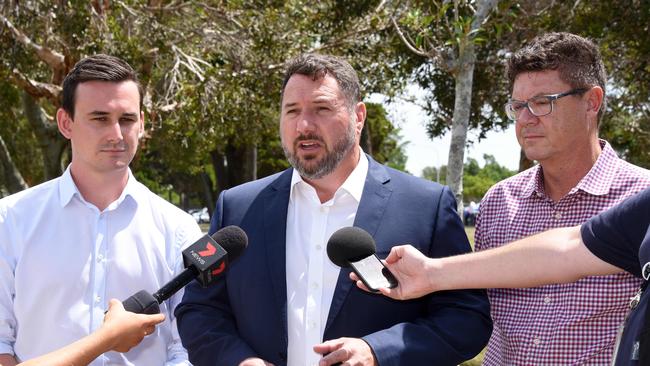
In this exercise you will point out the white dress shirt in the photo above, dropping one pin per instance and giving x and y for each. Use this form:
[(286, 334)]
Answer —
[(311, 276), (61, 260)]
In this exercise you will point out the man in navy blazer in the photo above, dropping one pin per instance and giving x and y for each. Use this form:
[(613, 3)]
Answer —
[(267, 309)]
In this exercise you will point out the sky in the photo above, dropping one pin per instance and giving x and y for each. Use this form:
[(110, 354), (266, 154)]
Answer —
[(422, 151)]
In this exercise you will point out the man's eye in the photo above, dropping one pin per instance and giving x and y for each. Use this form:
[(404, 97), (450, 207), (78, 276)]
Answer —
[(540, 101), (517, 106)]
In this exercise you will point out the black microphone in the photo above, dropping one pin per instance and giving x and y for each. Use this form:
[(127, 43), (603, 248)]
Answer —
[(350, 244), (354, 247), (204, 260)]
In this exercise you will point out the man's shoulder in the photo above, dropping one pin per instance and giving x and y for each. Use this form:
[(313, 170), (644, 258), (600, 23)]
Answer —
[(515, 185), (27, 197), (161, 206)]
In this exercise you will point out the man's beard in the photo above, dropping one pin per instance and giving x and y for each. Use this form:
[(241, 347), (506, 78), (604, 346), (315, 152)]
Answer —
[(310, 168)]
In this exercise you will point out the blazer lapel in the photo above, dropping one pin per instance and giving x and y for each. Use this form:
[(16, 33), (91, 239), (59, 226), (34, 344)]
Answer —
[(376, 192), (276, 203)]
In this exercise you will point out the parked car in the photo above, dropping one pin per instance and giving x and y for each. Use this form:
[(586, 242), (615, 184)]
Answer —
[(201, 215)]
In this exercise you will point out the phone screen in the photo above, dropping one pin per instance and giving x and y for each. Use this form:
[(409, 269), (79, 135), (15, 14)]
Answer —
[(373, 273)]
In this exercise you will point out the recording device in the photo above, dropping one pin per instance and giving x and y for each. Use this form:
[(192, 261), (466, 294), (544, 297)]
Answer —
[(204, 260), (354, 247)]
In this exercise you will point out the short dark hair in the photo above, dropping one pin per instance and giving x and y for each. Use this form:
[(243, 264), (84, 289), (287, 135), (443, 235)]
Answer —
[(577, 60), (96, 68), (318, 66)]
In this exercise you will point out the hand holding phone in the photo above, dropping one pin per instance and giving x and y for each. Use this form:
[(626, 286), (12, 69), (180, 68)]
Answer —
[(354, 247)]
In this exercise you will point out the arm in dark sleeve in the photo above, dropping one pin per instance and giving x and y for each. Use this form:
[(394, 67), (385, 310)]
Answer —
[(205, 320), (615, 235), (458, 324)]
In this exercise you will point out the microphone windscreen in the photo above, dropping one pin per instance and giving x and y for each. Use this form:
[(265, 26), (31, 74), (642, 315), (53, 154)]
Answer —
[(141, 302), (350, 244), (233, 239)]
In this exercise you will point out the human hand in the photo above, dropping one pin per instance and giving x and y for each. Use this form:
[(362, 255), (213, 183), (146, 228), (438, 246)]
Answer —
[(412, 270), (254, 361), (126, 329), (346, 352)]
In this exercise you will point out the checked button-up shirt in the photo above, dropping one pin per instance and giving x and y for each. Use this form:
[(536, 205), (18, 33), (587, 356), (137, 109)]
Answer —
[(566, 324)]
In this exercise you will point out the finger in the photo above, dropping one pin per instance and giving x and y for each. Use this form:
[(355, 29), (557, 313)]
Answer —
[(115, 304), (154, 319), (328, 346), (362, 286), (337, 357), (395, 254), (353, 276)]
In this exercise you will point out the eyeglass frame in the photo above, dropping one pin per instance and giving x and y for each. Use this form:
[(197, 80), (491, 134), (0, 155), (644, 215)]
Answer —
[(551, 98)]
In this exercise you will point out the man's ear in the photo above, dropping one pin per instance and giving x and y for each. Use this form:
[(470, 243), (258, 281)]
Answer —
[(141, 133), (595, 99), (360, 112), (64, 122)]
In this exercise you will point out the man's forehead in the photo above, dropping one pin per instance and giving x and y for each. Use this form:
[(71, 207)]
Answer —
[(303, 88)]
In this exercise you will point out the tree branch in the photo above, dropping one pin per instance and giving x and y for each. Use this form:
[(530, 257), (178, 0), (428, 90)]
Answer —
[(37, 89), (54, 59)]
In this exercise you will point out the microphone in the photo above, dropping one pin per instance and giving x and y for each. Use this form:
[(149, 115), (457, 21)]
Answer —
[(350, 244), (204, 260), (354, 247)]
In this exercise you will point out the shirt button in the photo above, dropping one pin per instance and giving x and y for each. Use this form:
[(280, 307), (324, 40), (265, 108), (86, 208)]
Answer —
[(314, 285), (547, 300), (558, 215), (537, 341), (100, 257), (98, 299), (318, 247), (324, 208)]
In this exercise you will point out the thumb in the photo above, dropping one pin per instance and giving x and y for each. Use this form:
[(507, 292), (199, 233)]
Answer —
[(395, 254)]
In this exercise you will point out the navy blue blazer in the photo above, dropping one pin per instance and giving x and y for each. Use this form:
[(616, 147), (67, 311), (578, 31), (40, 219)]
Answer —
[(245, 315)]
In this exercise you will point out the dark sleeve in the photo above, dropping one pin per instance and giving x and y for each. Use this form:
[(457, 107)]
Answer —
[(205, 320), (457, 325), (616, 234)]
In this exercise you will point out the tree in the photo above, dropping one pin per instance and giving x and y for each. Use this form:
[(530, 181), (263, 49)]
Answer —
[(211, 73), (446, 34), (477, 179)]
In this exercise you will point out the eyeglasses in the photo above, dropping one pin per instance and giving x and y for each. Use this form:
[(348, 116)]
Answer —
[(539, 106)]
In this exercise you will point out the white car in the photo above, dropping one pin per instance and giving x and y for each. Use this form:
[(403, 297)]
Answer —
[(200, 215)]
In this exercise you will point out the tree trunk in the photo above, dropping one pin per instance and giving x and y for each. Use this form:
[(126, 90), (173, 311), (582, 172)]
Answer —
[(208, 195), (462, 103), (12, 180), (460, 122), (51, 143), (238, 165)]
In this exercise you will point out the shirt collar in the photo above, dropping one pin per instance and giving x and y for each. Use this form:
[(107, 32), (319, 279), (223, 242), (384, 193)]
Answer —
[(68, 189), (353, 184), (600, 177), (596, 182)]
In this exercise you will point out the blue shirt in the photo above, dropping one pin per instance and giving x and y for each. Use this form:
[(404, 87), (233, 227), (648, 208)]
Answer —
[(61, 260), (621, 236)]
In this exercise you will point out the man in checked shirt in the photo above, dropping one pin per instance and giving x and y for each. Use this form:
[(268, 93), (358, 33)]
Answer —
[(557, 101)]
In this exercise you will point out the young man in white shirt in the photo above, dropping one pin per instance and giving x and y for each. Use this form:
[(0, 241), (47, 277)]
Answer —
[(94, 233)]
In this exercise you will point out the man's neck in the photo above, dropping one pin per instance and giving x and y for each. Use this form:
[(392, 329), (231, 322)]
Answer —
[(100, 189), (327, 186), (563, 174)]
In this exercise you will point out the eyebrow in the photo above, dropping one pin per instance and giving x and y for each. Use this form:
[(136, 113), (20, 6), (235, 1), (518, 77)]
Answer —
[(103, 113)]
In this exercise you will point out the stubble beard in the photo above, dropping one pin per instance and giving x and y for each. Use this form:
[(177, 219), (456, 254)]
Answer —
[(308, 167)]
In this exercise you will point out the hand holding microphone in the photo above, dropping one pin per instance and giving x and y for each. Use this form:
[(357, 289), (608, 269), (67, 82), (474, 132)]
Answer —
[(204, 260), (354, 247)]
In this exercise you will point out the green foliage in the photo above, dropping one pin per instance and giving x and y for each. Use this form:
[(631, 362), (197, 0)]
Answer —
[(476, 180), (385, 138)]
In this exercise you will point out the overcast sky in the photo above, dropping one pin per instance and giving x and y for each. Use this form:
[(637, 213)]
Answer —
[(423, 152)]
